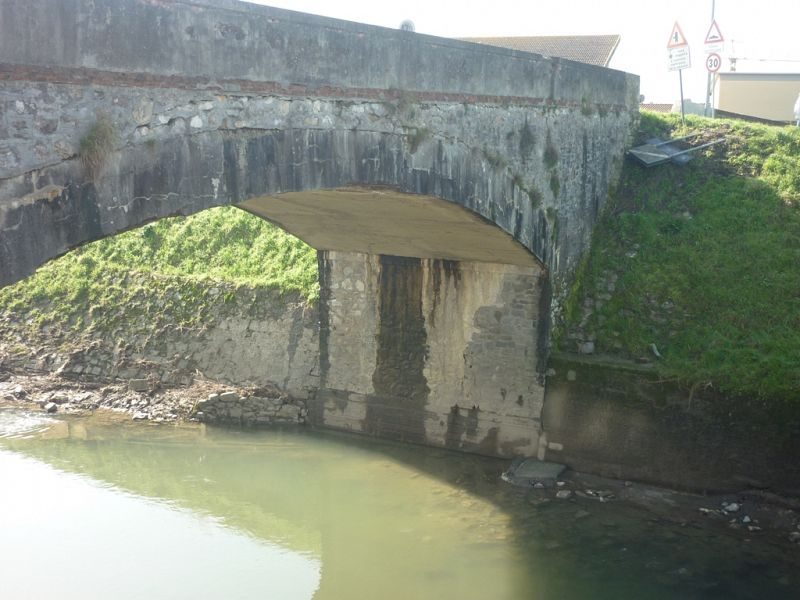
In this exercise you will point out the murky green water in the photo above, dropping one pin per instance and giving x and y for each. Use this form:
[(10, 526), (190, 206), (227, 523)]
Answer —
[(101, 508)]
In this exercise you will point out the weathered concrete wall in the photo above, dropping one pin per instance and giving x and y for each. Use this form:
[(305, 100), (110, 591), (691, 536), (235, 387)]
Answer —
[(622, 421), (430, 351)]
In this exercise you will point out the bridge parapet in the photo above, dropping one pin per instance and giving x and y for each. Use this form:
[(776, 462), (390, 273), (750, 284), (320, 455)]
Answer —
[(227, 44)]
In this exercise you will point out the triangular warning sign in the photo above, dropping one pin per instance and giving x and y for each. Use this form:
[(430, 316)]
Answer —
[(714, 35), (676, 38)]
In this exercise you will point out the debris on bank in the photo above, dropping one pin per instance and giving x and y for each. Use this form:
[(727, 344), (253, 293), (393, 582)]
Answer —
[(205, 401), (678, 151)]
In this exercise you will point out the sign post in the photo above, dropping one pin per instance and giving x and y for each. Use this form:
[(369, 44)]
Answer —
[(679, 57), (714, 44)]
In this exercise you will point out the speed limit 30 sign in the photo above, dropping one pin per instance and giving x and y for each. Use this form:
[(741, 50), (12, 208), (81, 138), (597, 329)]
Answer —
[(713, 62)]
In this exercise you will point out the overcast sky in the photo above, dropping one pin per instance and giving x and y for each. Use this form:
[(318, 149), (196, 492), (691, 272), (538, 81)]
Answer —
[(753, 29)]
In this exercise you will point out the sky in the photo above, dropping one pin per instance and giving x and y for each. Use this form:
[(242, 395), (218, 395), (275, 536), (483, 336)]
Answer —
[(764, 32)]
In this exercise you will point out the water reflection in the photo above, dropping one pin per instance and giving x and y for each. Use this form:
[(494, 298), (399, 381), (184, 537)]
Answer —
[(185, 509), (66, 536), (378, 525)]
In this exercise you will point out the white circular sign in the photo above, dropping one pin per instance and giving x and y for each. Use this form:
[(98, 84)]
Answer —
[(713, 63)]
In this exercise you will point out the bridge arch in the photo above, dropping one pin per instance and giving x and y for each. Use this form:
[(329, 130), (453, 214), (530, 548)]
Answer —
[(266, 172), (429, 319), (292, 116)]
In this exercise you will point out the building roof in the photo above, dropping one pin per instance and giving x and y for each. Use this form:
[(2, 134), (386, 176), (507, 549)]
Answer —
[(590, 49), (656, 107), (759, 76)]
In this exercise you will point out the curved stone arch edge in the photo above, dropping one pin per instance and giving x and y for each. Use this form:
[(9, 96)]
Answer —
[(64, 210)]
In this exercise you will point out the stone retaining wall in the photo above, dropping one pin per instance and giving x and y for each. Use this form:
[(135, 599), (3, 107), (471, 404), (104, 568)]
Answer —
[(623, 421), (253, 339), (272, 408)]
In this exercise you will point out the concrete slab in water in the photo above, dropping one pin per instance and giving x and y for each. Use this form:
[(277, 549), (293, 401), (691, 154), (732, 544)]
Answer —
[(531, 470)]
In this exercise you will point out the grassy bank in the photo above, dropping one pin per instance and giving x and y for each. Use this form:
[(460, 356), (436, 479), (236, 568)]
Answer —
[(701, 264), (172, 271)]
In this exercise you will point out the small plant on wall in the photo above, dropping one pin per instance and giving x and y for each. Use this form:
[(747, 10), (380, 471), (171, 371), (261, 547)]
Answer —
[(527, 141), (550, 156), (555, 184), (96, 145), (415, 139)]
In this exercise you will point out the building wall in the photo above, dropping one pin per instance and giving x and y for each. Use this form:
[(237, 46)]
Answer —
[(763, 95)]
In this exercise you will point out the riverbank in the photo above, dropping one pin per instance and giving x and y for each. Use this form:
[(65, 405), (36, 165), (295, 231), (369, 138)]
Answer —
[(139, 399), (693, 269), (620, 419)]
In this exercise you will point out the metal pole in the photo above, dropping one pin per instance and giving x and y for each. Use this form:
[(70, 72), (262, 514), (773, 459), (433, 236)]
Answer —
[(680, 78), (709, 98), (713, 89)]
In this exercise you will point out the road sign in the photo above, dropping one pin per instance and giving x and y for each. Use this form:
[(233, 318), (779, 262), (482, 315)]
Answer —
[(713, 62), (679, 58), (676, 38), (714, 40)]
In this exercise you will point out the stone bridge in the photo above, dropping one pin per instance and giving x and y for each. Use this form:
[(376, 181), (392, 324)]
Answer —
[(450, 188)]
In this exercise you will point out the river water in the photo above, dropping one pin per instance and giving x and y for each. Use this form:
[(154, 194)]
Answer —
[(101, 507)]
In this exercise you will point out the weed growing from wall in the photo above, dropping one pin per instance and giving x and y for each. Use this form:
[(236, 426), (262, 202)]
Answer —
[(550, 156), (494, 159), (420, 135), (527, 141), (534, 196), (555, 184), (586, 107), (96, 145)]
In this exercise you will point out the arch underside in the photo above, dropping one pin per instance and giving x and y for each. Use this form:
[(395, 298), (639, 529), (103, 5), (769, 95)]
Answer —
[(383, 221), (44, 214)]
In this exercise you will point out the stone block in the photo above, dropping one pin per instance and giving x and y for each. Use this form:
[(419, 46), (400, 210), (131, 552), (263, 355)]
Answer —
[(139, 385), (288, 412)]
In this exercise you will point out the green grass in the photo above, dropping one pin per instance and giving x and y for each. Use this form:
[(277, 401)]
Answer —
[(707, 261), (171, 272), (225, 244)]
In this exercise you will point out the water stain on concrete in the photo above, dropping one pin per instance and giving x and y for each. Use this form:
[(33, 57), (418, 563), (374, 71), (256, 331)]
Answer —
[(397, 407)]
